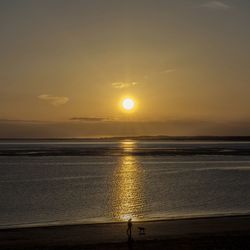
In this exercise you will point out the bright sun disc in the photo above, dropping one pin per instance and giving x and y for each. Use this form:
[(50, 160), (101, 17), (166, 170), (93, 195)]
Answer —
[(128, 104)]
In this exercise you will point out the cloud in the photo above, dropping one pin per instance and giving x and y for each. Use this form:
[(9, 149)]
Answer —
[(54, 100), (2, 120), (168, 71), (122, 85), (216, 5), (89, 119)]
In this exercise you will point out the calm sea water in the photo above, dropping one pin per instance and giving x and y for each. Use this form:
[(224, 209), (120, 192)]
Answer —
[(62, 182)]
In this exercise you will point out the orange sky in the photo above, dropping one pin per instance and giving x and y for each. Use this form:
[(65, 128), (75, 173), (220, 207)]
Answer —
[(186, 63)]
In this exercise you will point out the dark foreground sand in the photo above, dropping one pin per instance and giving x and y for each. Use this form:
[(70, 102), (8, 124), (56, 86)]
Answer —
[(231, 232)]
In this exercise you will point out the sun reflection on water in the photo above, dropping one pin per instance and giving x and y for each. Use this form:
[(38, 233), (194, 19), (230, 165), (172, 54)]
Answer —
[(128, 146), (128, 186)]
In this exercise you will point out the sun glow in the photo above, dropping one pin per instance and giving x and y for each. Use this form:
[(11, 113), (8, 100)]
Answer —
[(128, 104)]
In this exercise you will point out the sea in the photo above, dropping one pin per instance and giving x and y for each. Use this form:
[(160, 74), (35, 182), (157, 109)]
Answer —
[(58, 182)]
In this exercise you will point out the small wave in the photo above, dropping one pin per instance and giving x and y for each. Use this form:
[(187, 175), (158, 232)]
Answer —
[(52, 179)]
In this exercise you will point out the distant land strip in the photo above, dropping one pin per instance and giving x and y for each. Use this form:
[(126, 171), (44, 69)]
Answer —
[(146, 138)]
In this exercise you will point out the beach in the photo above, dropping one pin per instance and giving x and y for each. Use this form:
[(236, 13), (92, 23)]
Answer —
[(229, 232)]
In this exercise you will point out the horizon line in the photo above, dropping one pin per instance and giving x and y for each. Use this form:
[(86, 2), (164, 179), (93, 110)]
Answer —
[(142, 137)]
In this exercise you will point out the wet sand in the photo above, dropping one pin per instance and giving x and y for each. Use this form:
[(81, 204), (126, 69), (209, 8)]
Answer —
[(232, 232)]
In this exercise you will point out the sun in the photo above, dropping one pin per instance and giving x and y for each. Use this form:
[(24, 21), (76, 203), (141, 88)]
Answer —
[(128, 104)]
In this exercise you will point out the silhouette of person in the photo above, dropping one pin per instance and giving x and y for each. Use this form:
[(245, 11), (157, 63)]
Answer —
[(129, 230)]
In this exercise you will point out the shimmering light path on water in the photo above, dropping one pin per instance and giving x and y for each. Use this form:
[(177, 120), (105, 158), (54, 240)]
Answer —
[(128, 198)]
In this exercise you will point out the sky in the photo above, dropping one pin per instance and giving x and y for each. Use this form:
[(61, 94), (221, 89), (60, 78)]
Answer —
[(65, 66)]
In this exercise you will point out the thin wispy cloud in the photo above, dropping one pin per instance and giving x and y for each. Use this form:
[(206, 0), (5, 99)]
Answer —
[(122, 85), (216, 5), (2, 120), (54, 100), (168, 71), (89, 119)]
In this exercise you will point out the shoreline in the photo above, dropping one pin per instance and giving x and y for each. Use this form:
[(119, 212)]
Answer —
[(52, 224), (115, 233)]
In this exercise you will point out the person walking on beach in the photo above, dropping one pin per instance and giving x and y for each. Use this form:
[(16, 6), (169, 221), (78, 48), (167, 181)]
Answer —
[(129, 230)]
